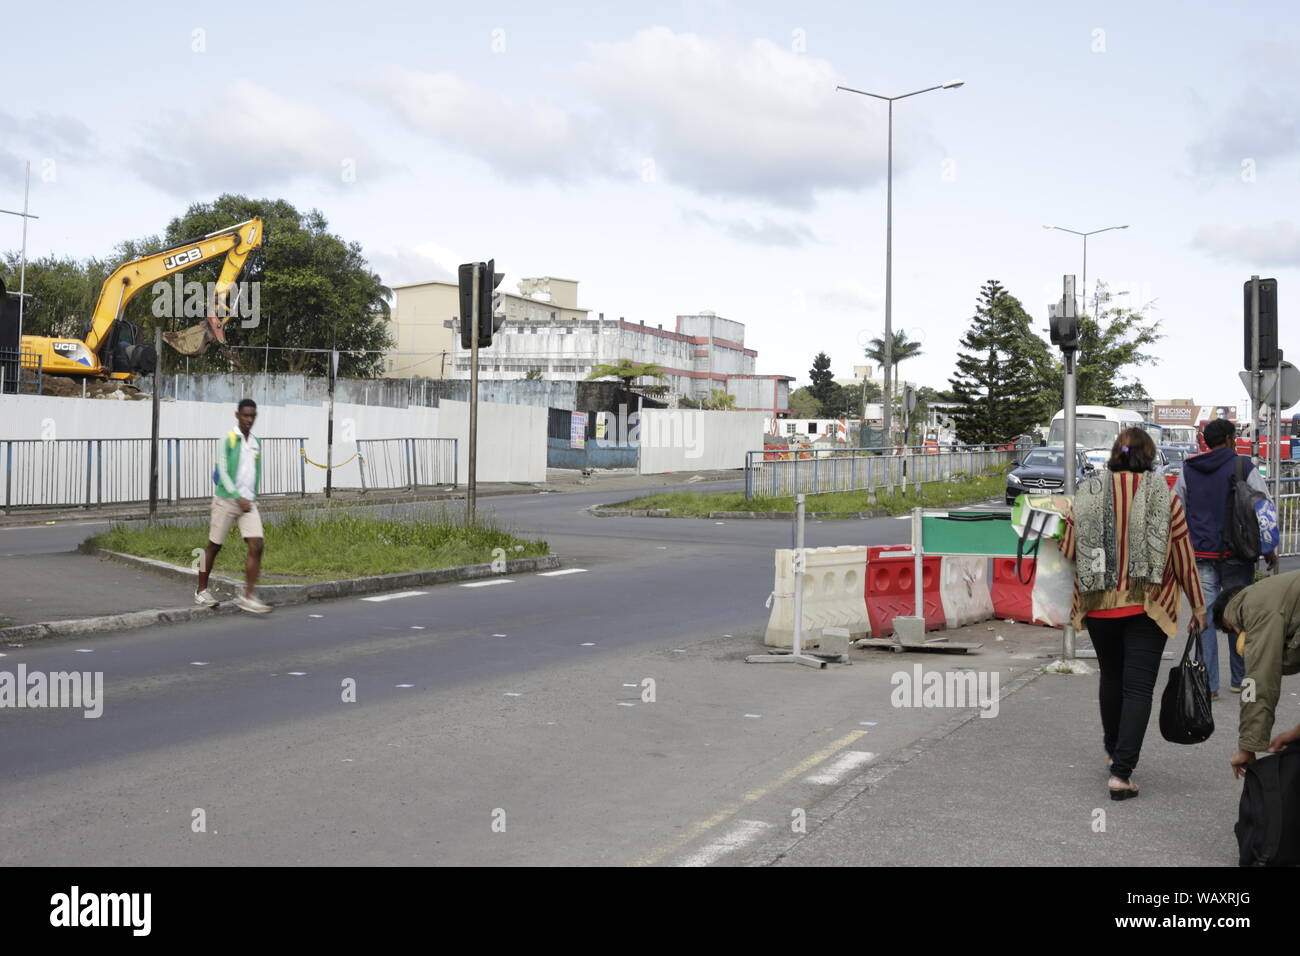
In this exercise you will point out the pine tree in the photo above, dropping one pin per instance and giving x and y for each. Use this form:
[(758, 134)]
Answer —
[(823, 386), (1001, 371)]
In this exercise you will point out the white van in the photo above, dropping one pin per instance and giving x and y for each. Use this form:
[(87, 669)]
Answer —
[(1096, 426)]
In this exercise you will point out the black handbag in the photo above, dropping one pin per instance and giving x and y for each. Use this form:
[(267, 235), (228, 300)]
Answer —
[(1185, 714), (1268, 821)]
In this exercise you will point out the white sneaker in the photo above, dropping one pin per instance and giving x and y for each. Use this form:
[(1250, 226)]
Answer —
[(246, 603), (204, 598)]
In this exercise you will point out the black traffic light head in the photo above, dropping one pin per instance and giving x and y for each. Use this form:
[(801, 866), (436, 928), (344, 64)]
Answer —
[(1269, 356), (490, 304), (1064, 328)]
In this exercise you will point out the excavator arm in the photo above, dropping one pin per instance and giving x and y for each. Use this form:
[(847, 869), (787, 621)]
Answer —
[(129, 279)]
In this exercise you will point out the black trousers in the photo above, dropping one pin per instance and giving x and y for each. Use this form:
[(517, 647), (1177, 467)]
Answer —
[(1128, 651)]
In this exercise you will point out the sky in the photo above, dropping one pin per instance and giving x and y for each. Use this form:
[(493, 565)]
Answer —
[(687, 156)]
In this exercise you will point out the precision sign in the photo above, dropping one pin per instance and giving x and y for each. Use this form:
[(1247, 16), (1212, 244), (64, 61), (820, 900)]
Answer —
[(1268, 383)]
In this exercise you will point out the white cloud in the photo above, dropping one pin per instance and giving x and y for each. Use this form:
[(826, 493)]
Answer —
[(752, 121), (521, 139), (424, 262), (258, 139), (40, 137), (1276, 245), (1259, 126), (765, 232), (755, 121)]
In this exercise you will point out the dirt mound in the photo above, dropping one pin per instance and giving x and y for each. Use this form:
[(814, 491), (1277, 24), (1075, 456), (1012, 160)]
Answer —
[(62, 386)]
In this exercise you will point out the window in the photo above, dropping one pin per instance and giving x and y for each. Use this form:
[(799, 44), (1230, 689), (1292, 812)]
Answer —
[(812, 428), (791, 428)]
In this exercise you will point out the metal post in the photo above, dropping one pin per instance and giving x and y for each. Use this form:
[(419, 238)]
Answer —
[(153, 428), (918, 565), (1067, 651), (329, 427), (22, 275), (800, 558), (472, 492), (887, 395), (1254, 368), (302, 470), (1275, 456)]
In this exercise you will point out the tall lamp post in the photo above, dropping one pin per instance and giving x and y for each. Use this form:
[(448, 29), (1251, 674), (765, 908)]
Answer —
[(889, 230), (1085, 235)]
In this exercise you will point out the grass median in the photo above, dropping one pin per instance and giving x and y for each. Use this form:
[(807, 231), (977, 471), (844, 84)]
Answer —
[(335, 545), (935, 494)]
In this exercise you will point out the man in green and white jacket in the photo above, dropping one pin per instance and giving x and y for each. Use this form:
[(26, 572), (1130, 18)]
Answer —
[(238, 477)]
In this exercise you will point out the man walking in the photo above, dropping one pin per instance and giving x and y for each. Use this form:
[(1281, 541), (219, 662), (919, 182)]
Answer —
[(237, 476), (1203, 485), (1264, 619)]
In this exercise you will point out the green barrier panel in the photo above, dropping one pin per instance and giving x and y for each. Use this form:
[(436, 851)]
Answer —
[(986, 533)]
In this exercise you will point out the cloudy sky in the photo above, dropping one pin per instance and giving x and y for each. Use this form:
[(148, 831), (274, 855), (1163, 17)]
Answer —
[(682, 156)]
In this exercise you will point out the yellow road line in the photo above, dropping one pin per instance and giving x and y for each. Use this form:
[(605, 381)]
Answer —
[(703, 826)]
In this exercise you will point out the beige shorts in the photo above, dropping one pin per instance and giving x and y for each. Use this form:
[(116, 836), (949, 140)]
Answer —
[(225, 512)]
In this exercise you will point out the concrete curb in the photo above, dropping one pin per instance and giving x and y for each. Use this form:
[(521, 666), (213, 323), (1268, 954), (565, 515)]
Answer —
[(277, 595), (600, 512)]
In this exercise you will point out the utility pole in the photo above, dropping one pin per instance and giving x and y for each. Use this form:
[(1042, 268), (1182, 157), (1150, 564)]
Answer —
[(153, 431), (471, 494), (22, 270), (1065, 334)]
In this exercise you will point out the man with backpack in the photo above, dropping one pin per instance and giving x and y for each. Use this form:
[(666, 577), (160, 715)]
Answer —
[(1219, 488)]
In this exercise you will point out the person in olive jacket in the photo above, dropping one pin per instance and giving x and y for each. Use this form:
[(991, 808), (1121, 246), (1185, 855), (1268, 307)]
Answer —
[(1265, 617)]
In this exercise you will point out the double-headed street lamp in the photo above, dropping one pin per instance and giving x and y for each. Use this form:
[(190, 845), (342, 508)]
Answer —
[(1085, 236), (889, 231)]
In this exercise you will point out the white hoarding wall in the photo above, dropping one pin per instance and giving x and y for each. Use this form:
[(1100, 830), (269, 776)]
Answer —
[(683, 439), (512, 439)]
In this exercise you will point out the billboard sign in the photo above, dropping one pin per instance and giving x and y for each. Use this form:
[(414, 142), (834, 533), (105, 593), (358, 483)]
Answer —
[(578, 430), (1175, 414)]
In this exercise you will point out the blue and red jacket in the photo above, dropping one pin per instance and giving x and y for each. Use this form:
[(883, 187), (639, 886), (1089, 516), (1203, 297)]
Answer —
[(1207, 478)]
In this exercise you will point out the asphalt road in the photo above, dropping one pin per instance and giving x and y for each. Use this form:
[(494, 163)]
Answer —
[(520, 704)]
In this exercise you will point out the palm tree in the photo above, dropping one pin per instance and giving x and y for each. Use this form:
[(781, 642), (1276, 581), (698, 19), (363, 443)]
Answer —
[(902, 350), (628, 371)]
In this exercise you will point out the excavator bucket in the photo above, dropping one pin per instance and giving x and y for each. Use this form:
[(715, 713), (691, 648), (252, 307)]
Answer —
[(196, 339)]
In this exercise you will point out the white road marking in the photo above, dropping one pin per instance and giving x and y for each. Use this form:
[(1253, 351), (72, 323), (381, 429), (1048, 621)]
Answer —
[(417, 627), (867, 723), (511, 693), (745, 831), (394, 597), (679, 650), (487, 584), (625, 703), (755, 716), (318, 615), (85, 650), (297, 673), (636, 685), (834, 772), (199, 663), (588, 644), (556, 574), (498, 635), (403, 685)]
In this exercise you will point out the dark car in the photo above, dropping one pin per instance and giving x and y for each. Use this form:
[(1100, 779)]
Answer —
[(1174, 456), (1042, 471)]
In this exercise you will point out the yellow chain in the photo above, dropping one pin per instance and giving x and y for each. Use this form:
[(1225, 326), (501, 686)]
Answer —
[(319, 465)]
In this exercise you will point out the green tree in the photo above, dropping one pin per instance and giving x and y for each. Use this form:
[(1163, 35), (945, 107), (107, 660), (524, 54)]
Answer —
[(533, 375), (1109, 347), (1002, 371), (803, 404), (316, 292), (628, 371), (902, 349), (61, 292), (823, 387)]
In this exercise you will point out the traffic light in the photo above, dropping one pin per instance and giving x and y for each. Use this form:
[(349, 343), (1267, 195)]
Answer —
[(1268, 351), (1064, 319), (491, 304)]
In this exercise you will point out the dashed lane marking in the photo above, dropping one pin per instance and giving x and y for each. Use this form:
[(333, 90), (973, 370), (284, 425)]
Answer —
[(834, 772), (394, 597), (745, 831), (487, 584), (556, 574)]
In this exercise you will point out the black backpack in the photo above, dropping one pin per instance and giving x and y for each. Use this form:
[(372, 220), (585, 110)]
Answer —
[(1268, 821), (1240, 519)]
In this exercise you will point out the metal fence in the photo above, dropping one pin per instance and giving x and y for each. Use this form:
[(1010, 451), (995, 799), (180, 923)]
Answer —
[(1288, 517), (407, 462), (89, 472), (17, 367), (776, 472)]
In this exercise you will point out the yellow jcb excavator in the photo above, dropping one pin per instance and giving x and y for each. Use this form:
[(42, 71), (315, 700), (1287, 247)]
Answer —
[(113, 348)]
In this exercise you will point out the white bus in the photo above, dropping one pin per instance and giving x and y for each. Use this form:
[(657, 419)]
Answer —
[(1096, 426)]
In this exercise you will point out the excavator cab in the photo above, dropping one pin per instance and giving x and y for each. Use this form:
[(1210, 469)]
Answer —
[(129, 352)]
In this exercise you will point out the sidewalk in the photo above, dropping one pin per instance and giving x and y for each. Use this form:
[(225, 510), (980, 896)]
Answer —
[(1024, 789)]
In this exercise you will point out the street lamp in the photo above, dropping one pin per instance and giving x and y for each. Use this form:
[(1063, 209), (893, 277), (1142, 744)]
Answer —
[(889, 231), (1084, 284)]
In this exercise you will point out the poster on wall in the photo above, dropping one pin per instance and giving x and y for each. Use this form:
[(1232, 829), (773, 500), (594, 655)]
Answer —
[(578, 430)]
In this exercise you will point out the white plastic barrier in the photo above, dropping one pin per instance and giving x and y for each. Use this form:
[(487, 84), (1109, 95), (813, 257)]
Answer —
[(964, 590), (1053, 586), (833, 595)]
